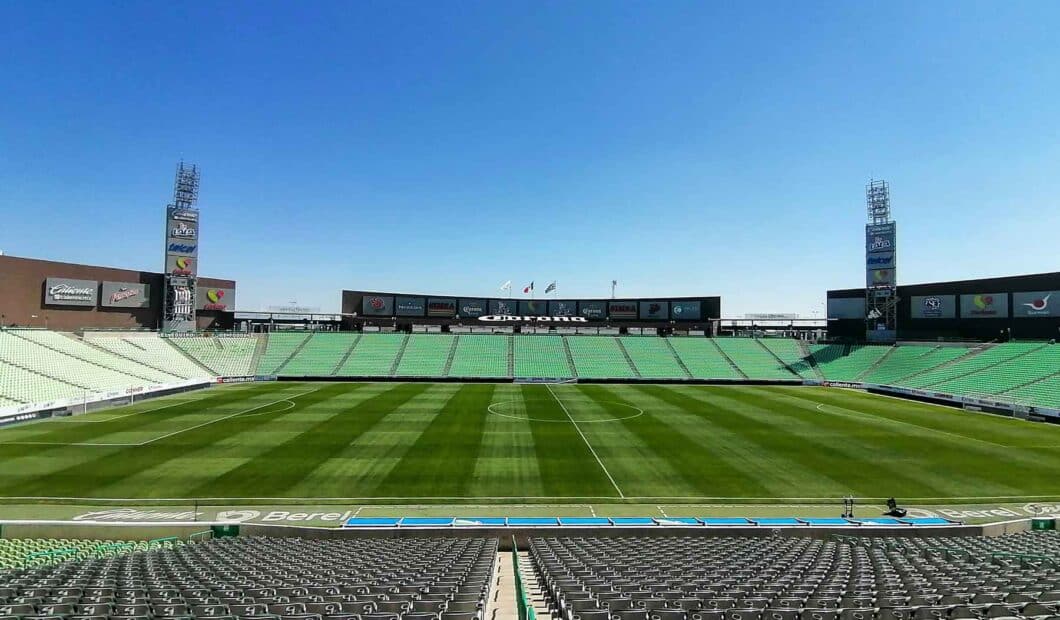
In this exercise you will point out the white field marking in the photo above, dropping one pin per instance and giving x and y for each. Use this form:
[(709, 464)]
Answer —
[(567, 501), (358, 511), (589, 445), (663, 512), (591, 510), (150, 441), (926, 428), (639, 413), (286, 400)]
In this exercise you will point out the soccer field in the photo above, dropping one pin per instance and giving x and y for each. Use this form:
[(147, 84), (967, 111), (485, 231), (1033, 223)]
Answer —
[(422, 443)]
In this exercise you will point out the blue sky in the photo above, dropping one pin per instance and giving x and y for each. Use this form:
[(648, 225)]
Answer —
[(681, 148)]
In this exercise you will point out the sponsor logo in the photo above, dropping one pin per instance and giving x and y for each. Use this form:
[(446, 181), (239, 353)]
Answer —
[(983, 305), (237, 516), (182, 266), (495, 318), (183, 231), (132, 514), (123, 293), (213, 300), (654, 308), (1039, 307), (881, 276), (879, 259), (880, 243), (678, 309), (66, 292), (623, 310), (505, 308), (472, 308), (182, 248), (563, 309), (409, 306), (376, 303), (441, 308), (931, 307), (187, 215)]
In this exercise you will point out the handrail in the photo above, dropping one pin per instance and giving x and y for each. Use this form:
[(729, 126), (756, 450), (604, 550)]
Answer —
[(522, 601)]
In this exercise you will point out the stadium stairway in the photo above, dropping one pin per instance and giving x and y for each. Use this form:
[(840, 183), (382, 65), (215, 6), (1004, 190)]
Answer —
[(400, 354), (653, 357), (677, 358), (1036, 362), (319, 355), (347, 354), (298, 349), (629, 360), (375, 355), (147, 349), (789, 354), (985, 359), (450, 356), (733, 364), (69, 348), (570, 358)]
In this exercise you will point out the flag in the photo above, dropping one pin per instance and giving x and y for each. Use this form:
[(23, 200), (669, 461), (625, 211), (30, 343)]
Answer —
[(550, 287), (507, 286), (529, 287), (614, 282)]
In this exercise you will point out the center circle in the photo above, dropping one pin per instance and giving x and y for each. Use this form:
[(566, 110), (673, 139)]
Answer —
[(504, 409)]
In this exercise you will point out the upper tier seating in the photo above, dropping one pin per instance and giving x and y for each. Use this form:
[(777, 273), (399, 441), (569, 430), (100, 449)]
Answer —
[(425, 355), (373, 356), (835, 366), (788, 578), (320, 355), (986, 358), (790, 352), (703, 359), (481, 355), (541, 356), (653, 357), (278, 349), (149, 349), (753, 359), (598, 357), (226, 356), (266, 578)]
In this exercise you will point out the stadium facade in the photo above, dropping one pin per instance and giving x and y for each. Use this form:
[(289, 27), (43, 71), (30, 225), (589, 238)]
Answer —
[(987, 309), (72, 297)]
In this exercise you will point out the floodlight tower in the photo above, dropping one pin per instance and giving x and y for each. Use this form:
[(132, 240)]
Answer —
[(881, 282), (181, 252)]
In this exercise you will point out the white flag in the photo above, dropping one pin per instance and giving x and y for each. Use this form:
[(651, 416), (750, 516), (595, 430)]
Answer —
[(507, 286), (550, 287)]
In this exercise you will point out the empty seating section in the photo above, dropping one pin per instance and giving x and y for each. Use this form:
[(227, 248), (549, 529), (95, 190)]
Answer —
[(26, 553), (88, 377), (278, 349), (1039, 363), (20, 386), (480, 355), (1045, 393), (105, 361), (735, 578), (900, 360), (148, 349), (225, 356), (425, 355), (753, 359), (703, 359), (791, 353), (598, 357), (835, 366), (541, 356), (320, 355), (262, 578), (986, 358), (373, 356), (653, 358)]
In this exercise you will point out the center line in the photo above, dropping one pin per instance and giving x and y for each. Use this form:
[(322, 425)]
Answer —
[(589, 445)]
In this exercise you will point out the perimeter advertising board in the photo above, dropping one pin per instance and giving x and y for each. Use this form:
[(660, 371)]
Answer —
[(377, 305), (686, 310), (71, 292), (125, 295), (409, 306), (984, 306), (1036, 304), (473, 308), (933, 307)]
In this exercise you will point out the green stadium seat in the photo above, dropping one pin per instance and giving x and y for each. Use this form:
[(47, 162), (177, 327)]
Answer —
[(653, 357), (790, 352), (985, 358), (225, 355), (703, 359), (320, 355), (278, 349), (754, 360), (425, 355), (838, 365), (906, 360), (148, 349), (373, 356), (599, 357), (481, 355), (541, 356)]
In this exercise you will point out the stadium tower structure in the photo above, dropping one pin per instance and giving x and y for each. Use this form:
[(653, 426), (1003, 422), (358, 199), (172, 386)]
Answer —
[(881, 283), (181, 252)]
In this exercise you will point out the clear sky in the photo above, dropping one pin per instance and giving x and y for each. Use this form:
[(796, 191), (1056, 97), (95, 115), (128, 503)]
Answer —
[(682, 148)]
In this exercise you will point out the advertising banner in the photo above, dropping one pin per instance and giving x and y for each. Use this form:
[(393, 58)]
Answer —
[(880, 238), (686, 310), (984, 306), (563, 308), (180, 265), (504, 307), (473, 308), (441, 307), (879, 260), (593, 310), (125, 295), (410, 306), (1040, 303), (377, 305), (879, 277), (933, 307), (70, 292), (533, 307), (655, 310), (846, 308), (215, 298), (622, 309)]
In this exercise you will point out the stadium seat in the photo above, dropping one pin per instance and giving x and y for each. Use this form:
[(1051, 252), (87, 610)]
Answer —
[(541, 356), (703, 358), (225, 355), (754, 359), (599, 357), (653, 357), (279, 348), (837, 363), (373, 356), (481, 355), (320, 355), (148, 349), (425, 355)]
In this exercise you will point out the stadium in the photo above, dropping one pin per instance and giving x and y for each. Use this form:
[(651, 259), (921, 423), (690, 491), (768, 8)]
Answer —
[(432, 451)]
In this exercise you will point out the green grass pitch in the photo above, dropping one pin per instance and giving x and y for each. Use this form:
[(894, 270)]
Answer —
[(422, 443)]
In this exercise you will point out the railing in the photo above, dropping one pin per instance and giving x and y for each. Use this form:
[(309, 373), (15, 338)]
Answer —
[(522, 601)]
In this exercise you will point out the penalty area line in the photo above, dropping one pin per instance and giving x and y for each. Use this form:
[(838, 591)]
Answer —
[(589, 445)]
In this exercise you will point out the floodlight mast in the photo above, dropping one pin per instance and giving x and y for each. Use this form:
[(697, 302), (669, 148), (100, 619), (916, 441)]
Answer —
[(181, 251), (881, 283)]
